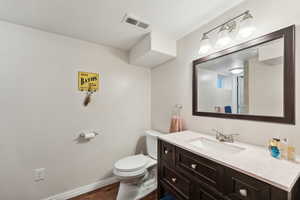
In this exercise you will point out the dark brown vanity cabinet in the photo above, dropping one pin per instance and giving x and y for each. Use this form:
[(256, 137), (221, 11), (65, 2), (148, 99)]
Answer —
[(187, 176)]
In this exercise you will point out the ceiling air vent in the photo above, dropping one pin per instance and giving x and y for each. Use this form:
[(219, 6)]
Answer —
[(128, 19), (143, 25), (132, 21)]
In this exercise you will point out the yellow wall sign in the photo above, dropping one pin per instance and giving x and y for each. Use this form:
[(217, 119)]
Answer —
[(88, 81)]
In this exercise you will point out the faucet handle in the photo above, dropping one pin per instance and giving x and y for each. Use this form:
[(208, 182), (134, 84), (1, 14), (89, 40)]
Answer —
[(231, 137), (217, 131)]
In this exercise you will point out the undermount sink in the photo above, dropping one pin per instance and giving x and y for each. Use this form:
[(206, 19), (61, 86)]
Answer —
[(215, 146)]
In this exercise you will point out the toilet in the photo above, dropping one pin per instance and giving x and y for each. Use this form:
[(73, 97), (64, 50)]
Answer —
[(138, 173)]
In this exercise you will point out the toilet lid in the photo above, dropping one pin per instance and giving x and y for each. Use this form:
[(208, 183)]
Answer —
[(132, 163)]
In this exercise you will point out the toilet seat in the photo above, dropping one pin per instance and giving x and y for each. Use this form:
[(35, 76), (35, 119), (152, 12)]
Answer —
[(129, 175), (133, 166), (132, 163)]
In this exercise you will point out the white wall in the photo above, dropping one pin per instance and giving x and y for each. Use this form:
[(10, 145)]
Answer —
[(265, 88), (42, 113), (172, 82)]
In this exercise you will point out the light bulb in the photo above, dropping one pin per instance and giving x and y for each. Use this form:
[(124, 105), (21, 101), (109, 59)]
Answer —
[(236, 70), (246, 27), (223, 37), (205, 45)]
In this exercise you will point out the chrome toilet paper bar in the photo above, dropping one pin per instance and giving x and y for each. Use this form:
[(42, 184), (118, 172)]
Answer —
[(88, 134)]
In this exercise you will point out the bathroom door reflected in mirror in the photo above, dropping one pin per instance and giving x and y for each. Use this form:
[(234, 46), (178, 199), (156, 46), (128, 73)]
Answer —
[(246, 82), (254, 80)]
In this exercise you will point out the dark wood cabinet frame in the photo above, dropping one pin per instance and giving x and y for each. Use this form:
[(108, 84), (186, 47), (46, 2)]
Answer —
[(288, 34)]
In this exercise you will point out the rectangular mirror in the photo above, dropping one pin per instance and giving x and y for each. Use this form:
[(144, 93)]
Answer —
[(254, 80)]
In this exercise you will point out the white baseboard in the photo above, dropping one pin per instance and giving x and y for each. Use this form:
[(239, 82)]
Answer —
[(83, 189)]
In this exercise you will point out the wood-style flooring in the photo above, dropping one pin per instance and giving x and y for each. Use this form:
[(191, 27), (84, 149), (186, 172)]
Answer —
[(107, 193)]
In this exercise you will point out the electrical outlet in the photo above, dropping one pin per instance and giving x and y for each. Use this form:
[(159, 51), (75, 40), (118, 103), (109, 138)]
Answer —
[(39, 174)]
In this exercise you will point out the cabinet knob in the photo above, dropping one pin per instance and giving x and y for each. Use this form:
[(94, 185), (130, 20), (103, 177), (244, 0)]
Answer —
[(243, 192), (194, 166), (166, 151), (174, 180)]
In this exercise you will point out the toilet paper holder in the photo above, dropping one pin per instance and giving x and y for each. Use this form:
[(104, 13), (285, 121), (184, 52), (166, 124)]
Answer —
[(83, 135)]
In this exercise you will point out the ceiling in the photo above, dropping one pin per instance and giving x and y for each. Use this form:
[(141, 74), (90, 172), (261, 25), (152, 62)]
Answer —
[(237, 59), (99, 21)]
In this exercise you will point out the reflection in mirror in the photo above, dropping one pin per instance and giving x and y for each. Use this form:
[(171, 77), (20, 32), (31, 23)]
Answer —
[(245, 82)]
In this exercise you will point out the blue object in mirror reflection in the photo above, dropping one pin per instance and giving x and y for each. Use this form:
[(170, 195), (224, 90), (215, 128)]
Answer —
[(228, 109)]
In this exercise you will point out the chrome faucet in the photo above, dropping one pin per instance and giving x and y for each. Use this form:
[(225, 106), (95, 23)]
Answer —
[(221, 137)]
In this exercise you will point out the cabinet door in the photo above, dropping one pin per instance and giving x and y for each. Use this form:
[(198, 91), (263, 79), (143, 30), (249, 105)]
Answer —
[(167, 152), (179, 184), (204, 194)]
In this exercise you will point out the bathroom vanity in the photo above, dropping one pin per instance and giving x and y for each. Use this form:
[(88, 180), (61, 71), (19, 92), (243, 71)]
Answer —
[(194, 166)]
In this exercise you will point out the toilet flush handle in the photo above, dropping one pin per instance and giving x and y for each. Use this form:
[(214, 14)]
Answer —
[(243, 192)]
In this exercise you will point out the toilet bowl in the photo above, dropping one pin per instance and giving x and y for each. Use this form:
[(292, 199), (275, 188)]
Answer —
[(138, 173)]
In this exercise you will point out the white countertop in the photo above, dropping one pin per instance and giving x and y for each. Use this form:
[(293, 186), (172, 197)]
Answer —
[(254, 161)]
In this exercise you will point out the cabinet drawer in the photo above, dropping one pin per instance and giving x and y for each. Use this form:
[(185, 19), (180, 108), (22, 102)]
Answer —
[(204, 170), (243, 187), (167, 152), (180, 184)]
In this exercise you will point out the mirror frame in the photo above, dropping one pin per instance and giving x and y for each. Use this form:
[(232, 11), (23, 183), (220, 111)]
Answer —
[(288, 34)]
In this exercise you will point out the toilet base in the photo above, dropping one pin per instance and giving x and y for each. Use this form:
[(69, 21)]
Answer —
[(138, 188), (132, 191)]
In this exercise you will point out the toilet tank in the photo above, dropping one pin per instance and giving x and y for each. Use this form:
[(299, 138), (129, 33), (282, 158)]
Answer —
[(151, 142)]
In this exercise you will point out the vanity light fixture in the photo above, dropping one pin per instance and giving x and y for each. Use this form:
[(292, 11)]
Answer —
[(205, 44), (223, 36), (246, 29)]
